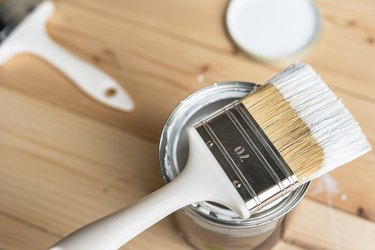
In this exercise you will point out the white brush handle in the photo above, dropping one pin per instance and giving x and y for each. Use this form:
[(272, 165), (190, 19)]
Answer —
[(202, 179), (30, 36)]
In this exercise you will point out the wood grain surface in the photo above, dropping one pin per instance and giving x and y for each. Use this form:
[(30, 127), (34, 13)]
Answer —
[(66, 160)]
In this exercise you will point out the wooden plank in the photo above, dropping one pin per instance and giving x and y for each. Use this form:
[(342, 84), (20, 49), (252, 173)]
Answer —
[(196, 21), (348, 33), (59, 170), (157, 70), (349, 187), (316, 226), (19, 235), (285, 246)]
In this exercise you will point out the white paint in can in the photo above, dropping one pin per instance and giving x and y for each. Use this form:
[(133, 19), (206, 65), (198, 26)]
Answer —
[(206, 225)]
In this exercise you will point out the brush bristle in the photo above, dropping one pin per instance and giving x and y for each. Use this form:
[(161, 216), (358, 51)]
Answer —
[(307, 123)]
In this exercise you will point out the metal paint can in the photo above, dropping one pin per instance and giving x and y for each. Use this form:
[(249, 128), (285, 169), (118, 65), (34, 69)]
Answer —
[(205, 225)]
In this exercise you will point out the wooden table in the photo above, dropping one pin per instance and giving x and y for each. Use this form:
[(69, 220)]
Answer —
[(66, 160)]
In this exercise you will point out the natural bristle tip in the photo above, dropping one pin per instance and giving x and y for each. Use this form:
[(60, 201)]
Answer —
[(307, 123)]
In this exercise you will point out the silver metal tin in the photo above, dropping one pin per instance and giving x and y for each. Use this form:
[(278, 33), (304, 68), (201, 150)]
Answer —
[(206, 225)]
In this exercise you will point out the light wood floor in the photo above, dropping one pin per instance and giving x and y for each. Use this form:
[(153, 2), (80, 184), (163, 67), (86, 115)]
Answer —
[(66, 159)]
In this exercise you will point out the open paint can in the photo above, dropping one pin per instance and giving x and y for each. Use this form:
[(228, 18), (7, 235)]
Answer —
[(210, 226)]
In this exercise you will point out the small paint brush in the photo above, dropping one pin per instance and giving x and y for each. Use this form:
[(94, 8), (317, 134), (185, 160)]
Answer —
[(289, 131), (23, 30)]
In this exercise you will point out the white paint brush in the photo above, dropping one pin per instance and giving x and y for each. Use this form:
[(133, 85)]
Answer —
[(289, 131), (23, 30)]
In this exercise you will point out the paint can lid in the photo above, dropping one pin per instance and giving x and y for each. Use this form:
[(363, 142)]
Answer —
[(273, 30)]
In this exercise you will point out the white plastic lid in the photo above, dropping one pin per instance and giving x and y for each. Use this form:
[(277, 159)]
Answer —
[(273, 30)]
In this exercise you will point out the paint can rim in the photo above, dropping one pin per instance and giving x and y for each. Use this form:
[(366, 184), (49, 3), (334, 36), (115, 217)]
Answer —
[(168, 147)]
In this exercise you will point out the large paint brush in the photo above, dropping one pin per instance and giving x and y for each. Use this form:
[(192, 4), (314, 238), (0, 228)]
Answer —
[(289, 131)]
